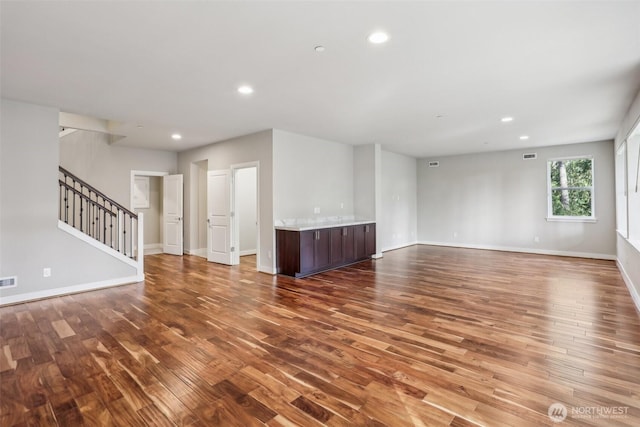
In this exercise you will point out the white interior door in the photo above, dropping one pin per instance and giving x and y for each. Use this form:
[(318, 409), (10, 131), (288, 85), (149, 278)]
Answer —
[(219, 217), (172, 210)]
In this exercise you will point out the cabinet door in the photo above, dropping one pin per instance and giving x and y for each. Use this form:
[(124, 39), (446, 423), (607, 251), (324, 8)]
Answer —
[(322, 248), (365, 240), (359, 242), (307, 250), (370, 239), (337, 246), (349, 244)]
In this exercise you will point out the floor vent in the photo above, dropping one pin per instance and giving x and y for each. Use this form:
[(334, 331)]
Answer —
[(529, 156), (434, 164), (8, 282)]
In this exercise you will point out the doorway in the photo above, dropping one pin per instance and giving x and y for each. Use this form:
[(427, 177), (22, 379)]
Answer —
[(146, 198), (198, 230), (245, 208), (233, 213), (158, 196)]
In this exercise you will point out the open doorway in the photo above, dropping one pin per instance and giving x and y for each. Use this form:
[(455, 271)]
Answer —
[(245, 210), (158, 196), (146, 198), (198, 234), (233, 212)]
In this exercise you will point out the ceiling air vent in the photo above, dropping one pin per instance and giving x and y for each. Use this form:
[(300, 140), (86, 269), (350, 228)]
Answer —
[(434, 164), (8, 282), (529, 156)]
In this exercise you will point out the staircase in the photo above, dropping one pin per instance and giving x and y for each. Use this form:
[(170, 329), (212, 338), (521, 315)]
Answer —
[(109, 225)]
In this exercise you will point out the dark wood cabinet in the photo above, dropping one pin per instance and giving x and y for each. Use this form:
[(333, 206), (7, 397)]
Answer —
[(323, 249), (365, 240), (319, 252), (307, 250), (301, 253), (342, 245)]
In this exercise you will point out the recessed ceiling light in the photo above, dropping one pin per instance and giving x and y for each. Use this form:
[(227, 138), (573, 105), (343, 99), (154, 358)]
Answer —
[(506, 119), (176, 136), (319, 48), (245, 90), (523, 137), (378, 37)]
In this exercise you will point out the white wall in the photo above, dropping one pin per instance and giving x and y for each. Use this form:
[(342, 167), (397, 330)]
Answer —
[(497, 200), (628, 256), (367, 188), (398, 220), (308, 173), (246, 209), (108, 167), (364, 171), (222, 155), (31, 239)]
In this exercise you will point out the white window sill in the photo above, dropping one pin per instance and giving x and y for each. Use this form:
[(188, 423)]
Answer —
[(571, 219)]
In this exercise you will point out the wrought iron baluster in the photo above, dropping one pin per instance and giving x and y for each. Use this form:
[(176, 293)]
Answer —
[(104, 226), (96, 215)]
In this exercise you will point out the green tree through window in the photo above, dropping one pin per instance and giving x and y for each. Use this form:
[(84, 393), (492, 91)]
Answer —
[(571, 187)]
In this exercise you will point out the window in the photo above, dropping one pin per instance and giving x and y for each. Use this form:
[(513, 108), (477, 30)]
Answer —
[(628, 188), (621, 189), (633, 187), (570, 189)]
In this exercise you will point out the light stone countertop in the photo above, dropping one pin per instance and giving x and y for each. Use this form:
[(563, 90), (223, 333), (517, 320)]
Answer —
[(322, 224)]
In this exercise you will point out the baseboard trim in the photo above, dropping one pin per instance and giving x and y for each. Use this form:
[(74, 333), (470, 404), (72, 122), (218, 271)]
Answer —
[(400, 246), (67, 290), (248, 252), (522, 250), (202, 252), (268, 270), (153, 249), (635, 296)]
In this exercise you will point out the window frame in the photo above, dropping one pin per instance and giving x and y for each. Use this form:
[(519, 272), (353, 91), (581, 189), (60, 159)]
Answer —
[(632, 173), (550, 189), (621, 185)]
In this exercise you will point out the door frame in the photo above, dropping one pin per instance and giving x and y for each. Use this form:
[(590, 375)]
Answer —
[(135, 173), (195, 200), (235, 232)]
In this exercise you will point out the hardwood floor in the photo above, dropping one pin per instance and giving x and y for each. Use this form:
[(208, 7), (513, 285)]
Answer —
[(426, 336)]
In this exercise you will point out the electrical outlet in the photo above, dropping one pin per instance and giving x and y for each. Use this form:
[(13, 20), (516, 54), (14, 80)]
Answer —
[(455, 234), (269, 254), (341, 205), (536, 239), (316, 210), (46, 272)]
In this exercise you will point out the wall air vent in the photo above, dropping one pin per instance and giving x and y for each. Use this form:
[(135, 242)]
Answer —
[(8, 282), (529, 156), (434, 164)]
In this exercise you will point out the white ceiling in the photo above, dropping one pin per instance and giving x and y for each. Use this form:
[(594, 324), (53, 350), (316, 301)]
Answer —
[(566, 71)]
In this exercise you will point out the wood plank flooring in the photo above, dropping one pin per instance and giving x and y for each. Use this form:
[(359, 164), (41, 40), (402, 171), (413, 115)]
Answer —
[(426, 336)]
